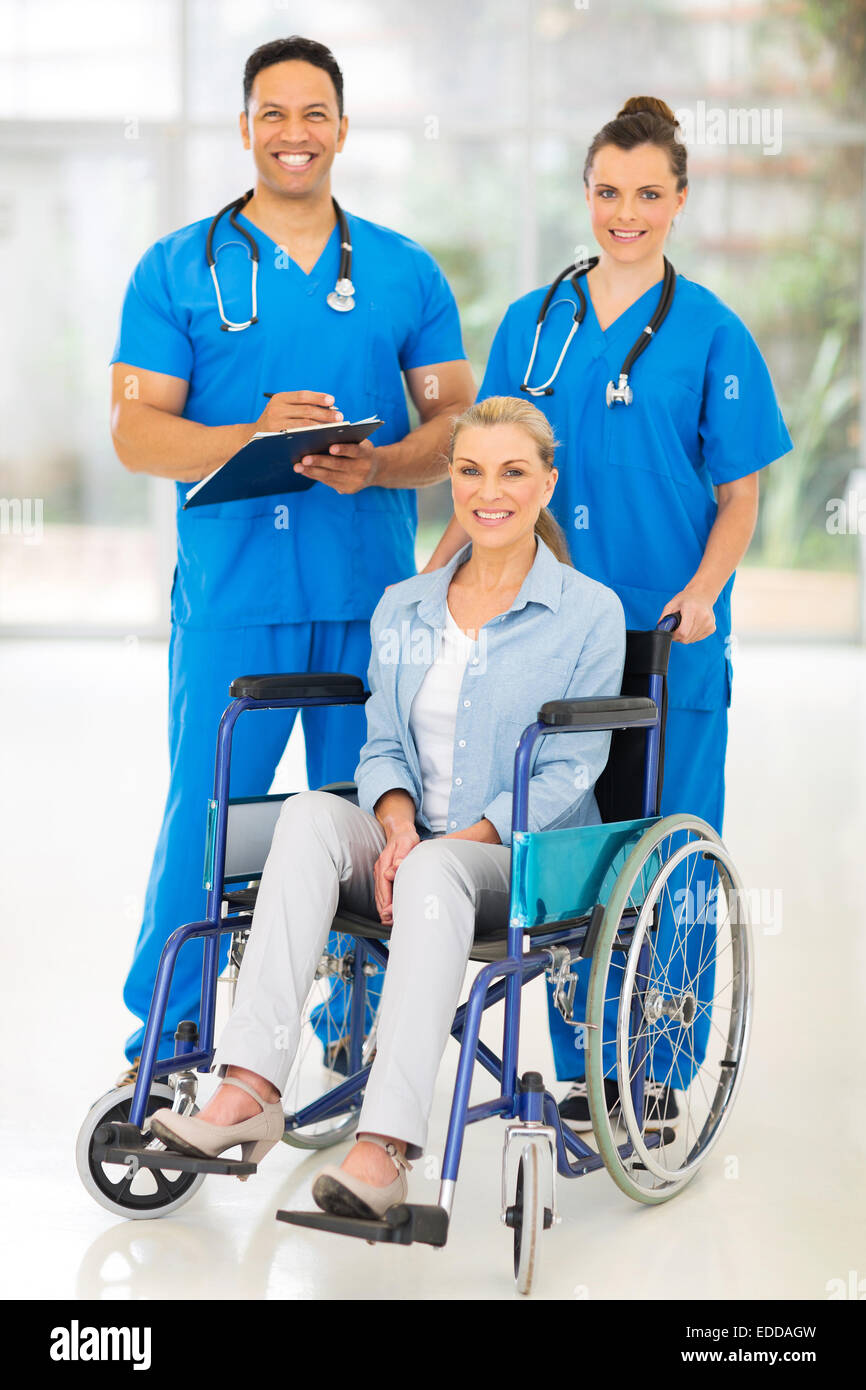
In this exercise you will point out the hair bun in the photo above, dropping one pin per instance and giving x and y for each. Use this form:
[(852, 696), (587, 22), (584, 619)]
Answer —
[(653, 105)]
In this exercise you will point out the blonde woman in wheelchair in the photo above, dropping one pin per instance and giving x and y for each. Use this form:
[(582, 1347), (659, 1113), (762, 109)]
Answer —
[(462, 658)]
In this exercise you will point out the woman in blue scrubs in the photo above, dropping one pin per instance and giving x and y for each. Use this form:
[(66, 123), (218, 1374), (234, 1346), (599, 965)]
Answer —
[(658, 498)]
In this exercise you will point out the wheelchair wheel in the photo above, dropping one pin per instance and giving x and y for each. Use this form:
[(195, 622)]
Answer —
[(151, 1191), (321, 1060), (672, 968), (527, 1217)]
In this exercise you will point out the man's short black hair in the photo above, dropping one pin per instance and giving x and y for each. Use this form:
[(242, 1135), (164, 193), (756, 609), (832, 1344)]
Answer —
[(287, 50)]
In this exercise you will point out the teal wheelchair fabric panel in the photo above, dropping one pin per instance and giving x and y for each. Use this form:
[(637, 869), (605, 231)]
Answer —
[(557, 874)]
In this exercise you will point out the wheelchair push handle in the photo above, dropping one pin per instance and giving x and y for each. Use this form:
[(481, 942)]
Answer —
[(669, 623)]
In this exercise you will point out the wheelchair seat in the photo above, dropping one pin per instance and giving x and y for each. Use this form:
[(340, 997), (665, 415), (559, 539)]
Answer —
[(490, 943)]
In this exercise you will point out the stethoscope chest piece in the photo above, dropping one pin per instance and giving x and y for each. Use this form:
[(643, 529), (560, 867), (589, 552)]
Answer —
[(341, 296), (621, 392)]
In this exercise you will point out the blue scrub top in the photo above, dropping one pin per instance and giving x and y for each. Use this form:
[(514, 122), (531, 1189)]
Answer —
[(237, 562), (634, 494)]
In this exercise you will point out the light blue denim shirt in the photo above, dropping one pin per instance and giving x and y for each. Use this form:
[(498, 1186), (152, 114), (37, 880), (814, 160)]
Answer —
[(562, 637)]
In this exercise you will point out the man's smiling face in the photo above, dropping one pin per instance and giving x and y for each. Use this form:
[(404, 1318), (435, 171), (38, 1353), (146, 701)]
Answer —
[(293, 127)]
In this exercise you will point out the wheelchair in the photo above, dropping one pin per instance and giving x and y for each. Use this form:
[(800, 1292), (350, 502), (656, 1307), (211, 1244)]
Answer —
[(653, 904)]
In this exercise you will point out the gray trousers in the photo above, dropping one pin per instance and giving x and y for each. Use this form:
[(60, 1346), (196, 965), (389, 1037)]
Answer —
[(322, 854)]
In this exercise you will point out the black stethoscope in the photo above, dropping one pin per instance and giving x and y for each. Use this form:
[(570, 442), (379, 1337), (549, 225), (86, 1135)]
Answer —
[(622, 391), (340, 297)]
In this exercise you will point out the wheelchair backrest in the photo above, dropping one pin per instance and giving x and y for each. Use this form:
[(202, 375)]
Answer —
[(250, 829), (619, 789)]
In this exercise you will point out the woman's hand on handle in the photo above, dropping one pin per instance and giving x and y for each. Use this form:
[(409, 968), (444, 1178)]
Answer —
[(697, 619), (726, 545)]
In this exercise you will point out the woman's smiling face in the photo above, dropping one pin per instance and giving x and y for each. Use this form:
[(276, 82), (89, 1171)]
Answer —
[(499, 483), (632, 199)]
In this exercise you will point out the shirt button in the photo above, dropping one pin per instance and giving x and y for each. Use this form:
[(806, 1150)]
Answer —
[(466, 704), (458, 781), (462, 743), (475, 661), (454, 825)]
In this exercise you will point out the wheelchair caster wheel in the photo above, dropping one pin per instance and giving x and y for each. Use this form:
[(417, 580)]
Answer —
[(147, 1192), (528, 1218)]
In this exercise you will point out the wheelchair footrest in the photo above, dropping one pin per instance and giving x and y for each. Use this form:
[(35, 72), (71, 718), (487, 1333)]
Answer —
[(125, 1143), (405, 1224)]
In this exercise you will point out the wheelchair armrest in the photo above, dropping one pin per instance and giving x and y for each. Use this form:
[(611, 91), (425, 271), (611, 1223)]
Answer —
[(610, 712), (301, 685)]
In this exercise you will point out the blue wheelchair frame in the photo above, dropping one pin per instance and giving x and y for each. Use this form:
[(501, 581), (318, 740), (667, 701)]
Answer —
[(498, 979)]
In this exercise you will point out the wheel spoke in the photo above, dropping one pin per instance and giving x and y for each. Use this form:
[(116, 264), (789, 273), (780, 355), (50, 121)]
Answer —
[(687, 1005)]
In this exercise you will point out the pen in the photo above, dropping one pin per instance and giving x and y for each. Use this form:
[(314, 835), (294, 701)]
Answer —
[(270, 395)]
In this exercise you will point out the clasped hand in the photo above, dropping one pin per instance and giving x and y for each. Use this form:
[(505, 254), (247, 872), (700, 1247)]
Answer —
[(397, 846)]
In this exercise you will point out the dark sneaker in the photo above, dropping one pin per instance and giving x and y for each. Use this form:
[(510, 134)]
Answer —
[(574, 1107), (660, 1105), (130, 1076)]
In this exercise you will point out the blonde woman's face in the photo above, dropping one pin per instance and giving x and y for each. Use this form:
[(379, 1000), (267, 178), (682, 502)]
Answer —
[(632, 199), (499, 483)]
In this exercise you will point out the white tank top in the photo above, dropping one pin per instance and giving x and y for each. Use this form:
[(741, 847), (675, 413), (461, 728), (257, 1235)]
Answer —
[(433, 717)]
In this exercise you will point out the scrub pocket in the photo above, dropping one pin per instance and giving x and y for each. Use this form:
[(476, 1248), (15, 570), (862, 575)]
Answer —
[(383, 382), (227, 569), (658, 432)]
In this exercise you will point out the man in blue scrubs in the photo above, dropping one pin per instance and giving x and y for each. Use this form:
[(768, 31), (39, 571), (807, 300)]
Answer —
[(284, 583)]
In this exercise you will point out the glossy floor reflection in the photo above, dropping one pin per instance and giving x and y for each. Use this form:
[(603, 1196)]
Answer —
[(778, 1211)]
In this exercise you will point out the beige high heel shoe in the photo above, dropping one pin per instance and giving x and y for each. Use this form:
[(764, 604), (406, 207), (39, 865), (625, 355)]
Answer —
[(341, 1194), (189, 1135)]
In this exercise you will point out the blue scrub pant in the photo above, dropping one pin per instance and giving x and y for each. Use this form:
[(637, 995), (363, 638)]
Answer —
[(202, 666), (694, 781)]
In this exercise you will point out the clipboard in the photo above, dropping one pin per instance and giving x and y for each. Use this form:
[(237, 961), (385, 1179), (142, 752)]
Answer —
[(265, 466)]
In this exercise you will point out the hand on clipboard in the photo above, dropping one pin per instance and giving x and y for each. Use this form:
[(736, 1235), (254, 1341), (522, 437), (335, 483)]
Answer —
[(265, 466), (347, 467)]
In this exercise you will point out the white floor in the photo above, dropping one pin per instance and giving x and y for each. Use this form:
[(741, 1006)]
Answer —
[(777, 1212)]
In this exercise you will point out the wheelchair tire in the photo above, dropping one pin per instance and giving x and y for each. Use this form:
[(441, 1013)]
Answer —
[(527, 1219), (665, 1001), (148, 1193)]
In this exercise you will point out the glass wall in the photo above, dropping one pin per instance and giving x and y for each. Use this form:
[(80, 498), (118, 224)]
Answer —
[(468, 129)]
